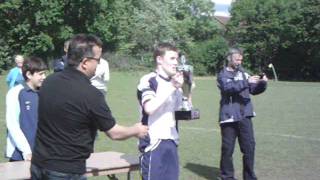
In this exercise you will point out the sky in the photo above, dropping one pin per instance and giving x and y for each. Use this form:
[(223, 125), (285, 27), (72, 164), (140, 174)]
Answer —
[(222, 7)]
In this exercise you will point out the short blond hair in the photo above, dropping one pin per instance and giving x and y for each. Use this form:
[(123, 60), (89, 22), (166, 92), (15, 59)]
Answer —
[(18, 58)]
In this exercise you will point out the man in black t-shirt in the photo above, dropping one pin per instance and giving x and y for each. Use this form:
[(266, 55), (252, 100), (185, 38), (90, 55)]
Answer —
[(68, 120)]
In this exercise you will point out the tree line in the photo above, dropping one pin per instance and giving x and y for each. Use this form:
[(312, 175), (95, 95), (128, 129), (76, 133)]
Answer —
[(285, 33)]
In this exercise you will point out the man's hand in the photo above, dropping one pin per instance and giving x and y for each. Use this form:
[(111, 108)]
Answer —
[(177, 80), (264, 78), (254, 79), (142, 130), (28, 157)]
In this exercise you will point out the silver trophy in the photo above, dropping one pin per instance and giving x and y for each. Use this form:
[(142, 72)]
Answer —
[(186, 112)]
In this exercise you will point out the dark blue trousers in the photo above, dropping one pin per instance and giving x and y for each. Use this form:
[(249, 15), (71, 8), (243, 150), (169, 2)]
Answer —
[(161, 163), (243, 130)]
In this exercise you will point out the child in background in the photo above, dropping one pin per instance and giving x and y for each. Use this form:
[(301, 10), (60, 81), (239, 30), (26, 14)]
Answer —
[(22, 110)]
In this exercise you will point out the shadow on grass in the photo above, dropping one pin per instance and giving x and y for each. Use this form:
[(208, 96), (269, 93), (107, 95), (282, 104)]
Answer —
[(206, 172)]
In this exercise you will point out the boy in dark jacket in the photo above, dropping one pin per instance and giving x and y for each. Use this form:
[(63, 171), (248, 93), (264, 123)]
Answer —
[(60, 63), (22, 110)]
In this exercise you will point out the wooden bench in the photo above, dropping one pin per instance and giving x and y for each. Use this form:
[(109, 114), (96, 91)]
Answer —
[(98, 164)]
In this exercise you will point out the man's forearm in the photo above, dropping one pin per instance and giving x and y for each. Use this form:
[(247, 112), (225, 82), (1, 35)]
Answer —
[(119, 132)]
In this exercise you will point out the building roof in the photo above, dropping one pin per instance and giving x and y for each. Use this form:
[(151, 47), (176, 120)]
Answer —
[(223, 20)]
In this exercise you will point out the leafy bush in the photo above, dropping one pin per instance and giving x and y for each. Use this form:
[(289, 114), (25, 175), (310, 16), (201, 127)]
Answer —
[(207, 57), (6, 59)]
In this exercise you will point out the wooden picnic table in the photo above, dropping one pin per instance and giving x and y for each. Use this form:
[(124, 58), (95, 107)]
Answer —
[(98, 164)]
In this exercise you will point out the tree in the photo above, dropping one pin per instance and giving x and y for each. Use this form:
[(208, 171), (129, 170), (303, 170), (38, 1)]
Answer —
[(26, 25), (208, 57), (130, 28), (285, 33), (39, 27)]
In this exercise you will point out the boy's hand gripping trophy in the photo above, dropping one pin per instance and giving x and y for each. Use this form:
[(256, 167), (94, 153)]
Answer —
[(187, 112)]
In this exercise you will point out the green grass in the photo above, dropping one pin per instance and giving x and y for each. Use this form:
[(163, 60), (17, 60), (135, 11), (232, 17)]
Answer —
[(286, 128)]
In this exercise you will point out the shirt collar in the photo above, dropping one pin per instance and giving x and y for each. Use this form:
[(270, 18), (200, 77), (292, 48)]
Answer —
[(165, 78), (73, 70), (27, 87)]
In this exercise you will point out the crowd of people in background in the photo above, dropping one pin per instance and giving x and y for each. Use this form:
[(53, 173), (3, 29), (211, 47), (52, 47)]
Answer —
[(53, 121)]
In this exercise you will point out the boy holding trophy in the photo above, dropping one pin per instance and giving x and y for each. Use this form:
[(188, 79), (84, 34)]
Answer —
[(160, 95)]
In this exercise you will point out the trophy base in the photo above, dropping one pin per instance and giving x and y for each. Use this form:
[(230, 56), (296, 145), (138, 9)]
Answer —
[(187, 115)]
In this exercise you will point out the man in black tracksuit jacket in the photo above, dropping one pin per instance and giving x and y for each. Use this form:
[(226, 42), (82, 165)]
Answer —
[(236, 111)]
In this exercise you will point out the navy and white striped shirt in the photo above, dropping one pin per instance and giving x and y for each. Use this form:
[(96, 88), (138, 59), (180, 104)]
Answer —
[(161, 123)]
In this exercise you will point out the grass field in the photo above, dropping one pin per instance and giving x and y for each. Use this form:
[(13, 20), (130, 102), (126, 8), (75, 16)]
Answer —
[(286, 129)]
